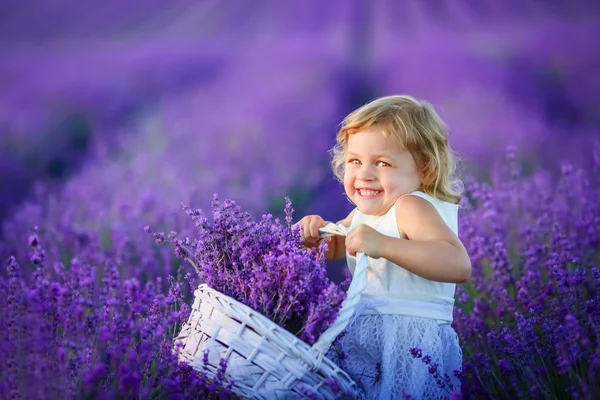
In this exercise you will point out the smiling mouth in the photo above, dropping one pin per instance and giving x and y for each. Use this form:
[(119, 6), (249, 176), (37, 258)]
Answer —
[(368, 193)]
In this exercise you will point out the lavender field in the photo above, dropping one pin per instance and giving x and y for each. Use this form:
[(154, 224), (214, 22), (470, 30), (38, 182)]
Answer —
[(113, 115)]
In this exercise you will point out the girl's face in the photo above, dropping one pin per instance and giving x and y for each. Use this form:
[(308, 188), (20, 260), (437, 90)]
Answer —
[(378, 171)]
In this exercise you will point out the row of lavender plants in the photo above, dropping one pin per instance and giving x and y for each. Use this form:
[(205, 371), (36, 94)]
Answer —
[(529, 317), (81, 330)]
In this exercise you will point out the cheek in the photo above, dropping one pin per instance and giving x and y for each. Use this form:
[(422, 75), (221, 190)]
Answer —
[(392, 182), (349, 176)]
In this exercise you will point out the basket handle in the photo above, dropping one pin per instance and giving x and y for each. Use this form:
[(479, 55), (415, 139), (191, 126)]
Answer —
[(357, 286)]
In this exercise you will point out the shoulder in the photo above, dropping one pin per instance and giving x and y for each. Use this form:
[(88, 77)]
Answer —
[(414, 203), (417, 214), (348, 220)]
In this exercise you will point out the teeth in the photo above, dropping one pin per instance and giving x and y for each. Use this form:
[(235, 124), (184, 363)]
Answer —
[(367, 192)]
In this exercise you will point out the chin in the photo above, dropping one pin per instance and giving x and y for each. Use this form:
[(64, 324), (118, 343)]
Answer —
[(369, 210)]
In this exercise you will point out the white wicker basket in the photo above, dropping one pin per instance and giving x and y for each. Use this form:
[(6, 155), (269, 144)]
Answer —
[(264, 360)]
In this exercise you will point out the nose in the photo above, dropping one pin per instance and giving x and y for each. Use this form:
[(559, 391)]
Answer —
[(366, 173)]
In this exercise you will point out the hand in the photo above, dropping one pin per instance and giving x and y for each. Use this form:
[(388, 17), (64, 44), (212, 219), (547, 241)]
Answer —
[(310, 229), (364, 239)]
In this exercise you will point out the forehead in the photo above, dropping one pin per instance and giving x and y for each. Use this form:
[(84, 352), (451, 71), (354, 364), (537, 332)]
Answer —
[(373, 141)]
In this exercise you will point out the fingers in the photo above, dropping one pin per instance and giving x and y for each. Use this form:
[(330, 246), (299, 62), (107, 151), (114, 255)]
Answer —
[(350, 244), (314, 226), (310, 229), (303, 231)]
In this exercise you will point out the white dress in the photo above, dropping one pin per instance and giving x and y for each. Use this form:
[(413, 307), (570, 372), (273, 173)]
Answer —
[(398, 311)]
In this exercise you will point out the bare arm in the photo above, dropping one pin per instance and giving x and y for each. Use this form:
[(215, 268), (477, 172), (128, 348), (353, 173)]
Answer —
[(432, 250), (337, 244)]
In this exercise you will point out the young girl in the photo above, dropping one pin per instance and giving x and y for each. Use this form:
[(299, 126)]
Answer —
[(393, 158)]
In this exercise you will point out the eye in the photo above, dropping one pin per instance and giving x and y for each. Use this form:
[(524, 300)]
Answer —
[(354, 161), (382, 164)]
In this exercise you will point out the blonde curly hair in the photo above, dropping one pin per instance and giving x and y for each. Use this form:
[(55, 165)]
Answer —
[(419, 129)]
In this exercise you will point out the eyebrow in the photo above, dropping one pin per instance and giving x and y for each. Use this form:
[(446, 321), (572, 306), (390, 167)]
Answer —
[(375, 155)]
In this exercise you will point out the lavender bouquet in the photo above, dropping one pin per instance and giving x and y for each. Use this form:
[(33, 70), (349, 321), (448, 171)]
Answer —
[(246, 267), (263, 265)]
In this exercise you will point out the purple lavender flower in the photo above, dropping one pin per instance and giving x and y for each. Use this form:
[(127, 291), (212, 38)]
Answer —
[(536, 297), (416, 352), (72, 332)]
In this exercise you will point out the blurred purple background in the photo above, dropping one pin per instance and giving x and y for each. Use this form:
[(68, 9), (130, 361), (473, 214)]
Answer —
[(112, 114)]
